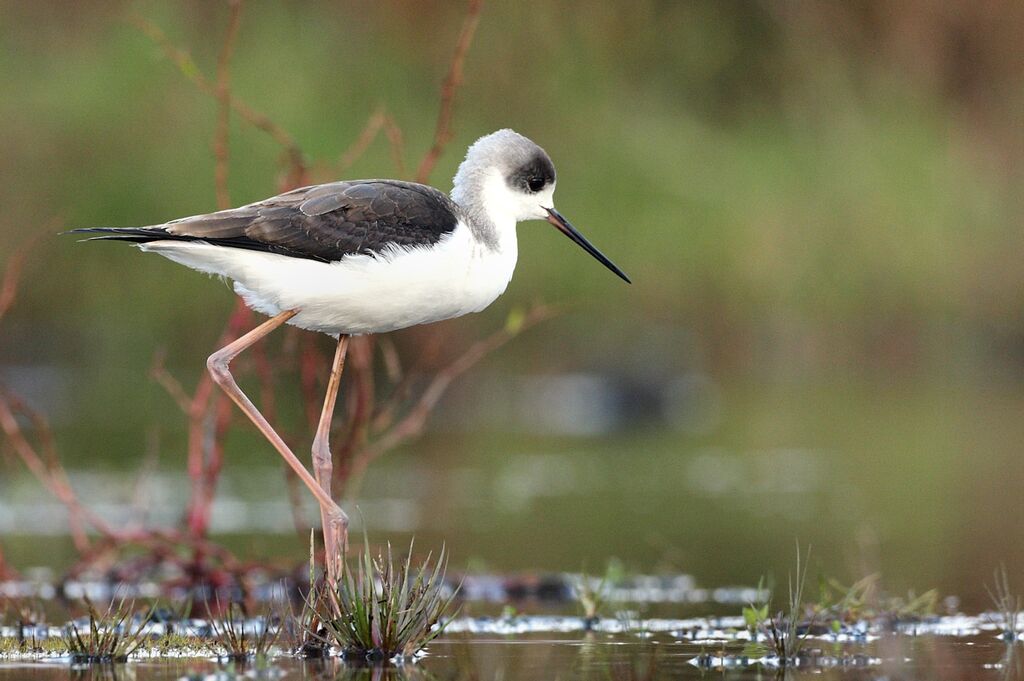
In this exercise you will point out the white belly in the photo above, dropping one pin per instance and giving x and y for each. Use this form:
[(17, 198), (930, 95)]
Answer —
[(360, 294)]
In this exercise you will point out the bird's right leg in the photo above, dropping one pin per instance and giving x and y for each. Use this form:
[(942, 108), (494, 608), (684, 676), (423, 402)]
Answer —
[(335, 534), (218, 364)]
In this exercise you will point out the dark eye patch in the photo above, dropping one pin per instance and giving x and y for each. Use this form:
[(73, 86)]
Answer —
[(533, 175)]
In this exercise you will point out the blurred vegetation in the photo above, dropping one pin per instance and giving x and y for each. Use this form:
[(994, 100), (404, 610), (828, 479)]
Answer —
[(816, 182), (810, 192)]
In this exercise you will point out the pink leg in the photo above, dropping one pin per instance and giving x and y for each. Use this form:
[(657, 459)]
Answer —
[(335, 543), (336, 522)]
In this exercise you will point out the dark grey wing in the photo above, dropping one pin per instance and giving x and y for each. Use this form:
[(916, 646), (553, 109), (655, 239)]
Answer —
[(322, 222)]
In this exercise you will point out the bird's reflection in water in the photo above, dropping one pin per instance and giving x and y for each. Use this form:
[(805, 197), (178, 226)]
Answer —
[(334, 669)]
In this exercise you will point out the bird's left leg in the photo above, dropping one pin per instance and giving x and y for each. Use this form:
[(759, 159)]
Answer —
[(335, 534)]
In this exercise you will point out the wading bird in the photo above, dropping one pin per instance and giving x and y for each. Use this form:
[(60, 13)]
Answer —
[(364, 256)]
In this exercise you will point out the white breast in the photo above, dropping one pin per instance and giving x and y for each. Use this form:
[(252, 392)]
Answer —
[(361, 293)]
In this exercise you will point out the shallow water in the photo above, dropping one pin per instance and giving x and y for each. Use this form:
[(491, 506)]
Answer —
[(583, 656), (888, 481), (522, 648)]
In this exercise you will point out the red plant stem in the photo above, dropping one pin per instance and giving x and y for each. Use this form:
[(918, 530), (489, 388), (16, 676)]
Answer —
[(204, 406), (217, 425), (221, 148), (6, 571), (450, 86), (139, 510), (206, 415), (56, 483), (162, 544), (361, 407), (11, 280), (312, 366), (196, 435)]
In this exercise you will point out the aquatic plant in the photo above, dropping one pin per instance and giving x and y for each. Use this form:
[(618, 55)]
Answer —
[(232, 639), (843, 604), (383, 609), (591, 595), (785, 632), (25, 616), (863, 601), (755, 613), (1007, 603), (111, 636)]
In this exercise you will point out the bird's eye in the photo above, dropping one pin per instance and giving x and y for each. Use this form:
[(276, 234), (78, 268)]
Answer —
[(535, 183)]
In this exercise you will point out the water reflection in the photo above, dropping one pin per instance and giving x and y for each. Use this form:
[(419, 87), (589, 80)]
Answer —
[(101, 672), (334, 669)]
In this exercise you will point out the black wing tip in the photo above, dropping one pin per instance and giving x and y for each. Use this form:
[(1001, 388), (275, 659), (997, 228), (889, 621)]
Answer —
[(131, 234)]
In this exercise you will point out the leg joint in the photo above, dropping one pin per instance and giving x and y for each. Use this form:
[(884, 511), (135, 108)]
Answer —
[(338, 518), (322, 459), (217, 365)]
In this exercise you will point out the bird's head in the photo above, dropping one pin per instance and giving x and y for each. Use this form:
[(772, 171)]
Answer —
[(512, 179)]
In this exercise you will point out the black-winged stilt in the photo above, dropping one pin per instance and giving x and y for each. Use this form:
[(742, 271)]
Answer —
[(365, 256)]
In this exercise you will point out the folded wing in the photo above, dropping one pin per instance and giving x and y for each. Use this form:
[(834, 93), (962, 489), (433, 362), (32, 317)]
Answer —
[(322, 222)]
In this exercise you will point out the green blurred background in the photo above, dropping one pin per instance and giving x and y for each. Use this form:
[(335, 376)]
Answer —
[(820, 205)]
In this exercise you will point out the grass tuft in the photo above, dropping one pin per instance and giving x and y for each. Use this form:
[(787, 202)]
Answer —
[(111, 636), (382, 609), (591, 597), (784, 632), (234, 640)]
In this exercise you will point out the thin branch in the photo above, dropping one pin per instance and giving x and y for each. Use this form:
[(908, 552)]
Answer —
[(140, 490), (392, 362), (159, 373), (221, 147), (396, 142), (296, 160), (379, 120), (402, 388), (16, 265), (12, 277), (373, 126), (56, 484), (443, 131), (412, 423)]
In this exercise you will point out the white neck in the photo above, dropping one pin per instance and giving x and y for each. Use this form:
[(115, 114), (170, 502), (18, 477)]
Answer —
[(489, 208)]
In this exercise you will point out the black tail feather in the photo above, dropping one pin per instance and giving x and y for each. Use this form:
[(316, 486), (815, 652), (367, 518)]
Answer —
[(138, 235)]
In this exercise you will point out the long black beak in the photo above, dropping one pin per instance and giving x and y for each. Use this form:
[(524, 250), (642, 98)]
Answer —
[(563, 225)]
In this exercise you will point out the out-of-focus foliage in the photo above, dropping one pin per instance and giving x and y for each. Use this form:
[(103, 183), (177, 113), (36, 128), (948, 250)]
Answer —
[(830, 181), (820, 205)]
